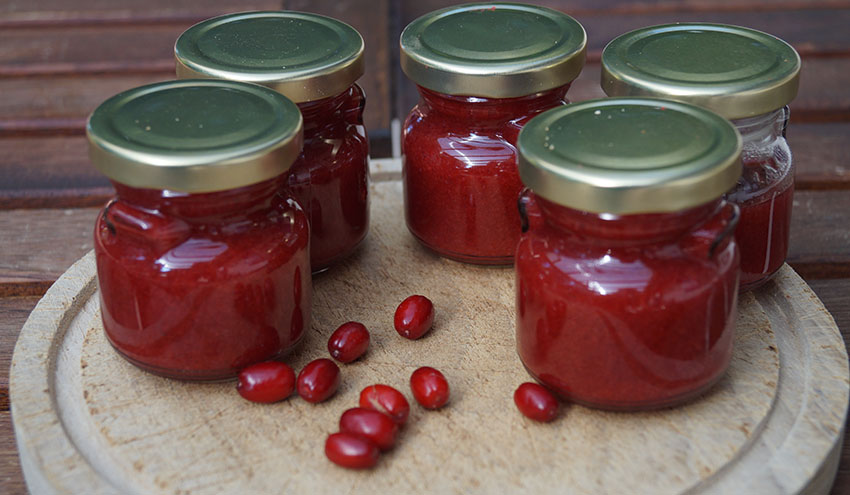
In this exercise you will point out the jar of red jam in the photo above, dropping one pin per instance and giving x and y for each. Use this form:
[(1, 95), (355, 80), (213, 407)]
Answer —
[(746, 76), (314, 61), (202, 259), (483, 70), (627, 272)]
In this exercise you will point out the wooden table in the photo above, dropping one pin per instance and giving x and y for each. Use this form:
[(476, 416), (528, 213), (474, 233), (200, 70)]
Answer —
[(60, 58)]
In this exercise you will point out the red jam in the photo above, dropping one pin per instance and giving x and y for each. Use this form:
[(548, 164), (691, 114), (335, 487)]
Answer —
[(626, 312), (765, 194), (460, 174), (331, 177), (197, 286)]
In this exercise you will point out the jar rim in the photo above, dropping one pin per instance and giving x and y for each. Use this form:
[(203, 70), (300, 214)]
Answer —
[(497, 50), (735, 71), (195, 135), (629, 155), (302, 55)]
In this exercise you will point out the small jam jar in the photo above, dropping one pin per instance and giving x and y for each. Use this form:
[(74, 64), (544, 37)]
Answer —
[(203, 261), (314, 61), (483, 70), (746, 76), (627, 272)]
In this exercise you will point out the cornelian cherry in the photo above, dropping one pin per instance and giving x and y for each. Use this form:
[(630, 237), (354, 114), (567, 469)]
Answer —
[(377, 427), (414, 317), (348, 342), (387, 400), (536, 402), (318, 380), (430, 388), (269, 381), (351, 451)]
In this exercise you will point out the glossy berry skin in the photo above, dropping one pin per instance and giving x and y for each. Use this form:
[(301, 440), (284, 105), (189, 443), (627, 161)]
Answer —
[(387, 400), (318, 380), (377, 427), (269, 381), (348, 342), (536, 402), (430, 388), (414, 317), (351, 451)]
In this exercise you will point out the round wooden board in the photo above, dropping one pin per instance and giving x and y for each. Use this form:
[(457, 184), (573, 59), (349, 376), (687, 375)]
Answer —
[(88, 422)]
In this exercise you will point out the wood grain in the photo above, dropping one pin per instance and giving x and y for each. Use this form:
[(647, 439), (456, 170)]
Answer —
[(38, 245), (820, 234), (63, 12)]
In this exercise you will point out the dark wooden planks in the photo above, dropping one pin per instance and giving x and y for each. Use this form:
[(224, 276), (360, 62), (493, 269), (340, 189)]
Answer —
[(39, 245), (14, 311), (11, 477), (821, 154), (53, 104), (88, 49), (820, 234), (63, 12)]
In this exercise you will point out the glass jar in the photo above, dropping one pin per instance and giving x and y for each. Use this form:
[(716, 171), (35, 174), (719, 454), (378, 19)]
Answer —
[(202, 261), (483, 70), (315, 64), (627, 271), (746, 76)]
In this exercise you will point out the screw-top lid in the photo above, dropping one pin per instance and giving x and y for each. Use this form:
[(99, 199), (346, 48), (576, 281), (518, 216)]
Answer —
[(304, 56), (734, 71), (195, 135), (629, 155), (497, 50)]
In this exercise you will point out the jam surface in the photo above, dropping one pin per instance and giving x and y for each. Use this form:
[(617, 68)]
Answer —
[(198, 286), (626, 312), (765, 194), (330, 179), (460, 172)]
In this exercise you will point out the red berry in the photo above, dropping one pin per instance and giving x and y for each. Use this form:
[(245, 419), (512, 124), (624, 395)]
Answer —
[(387, 400), (318, 380), (536, 402), (351, 451), (270, 381), (414, 317), (348, 342), (429, 387), (377, 427)]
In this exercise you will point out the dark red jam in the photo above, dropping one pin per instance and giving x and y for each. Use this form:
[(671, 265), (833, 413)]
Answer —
[(460, 172), (626, 312), (765, 193), (331, 177), (198, 286)]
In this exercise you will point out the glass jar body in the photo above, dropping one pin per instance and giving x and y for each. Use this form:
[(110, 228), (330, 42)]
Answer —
[(765, 194), (330, 179), (460, 172), (198, 286), (626, 312)]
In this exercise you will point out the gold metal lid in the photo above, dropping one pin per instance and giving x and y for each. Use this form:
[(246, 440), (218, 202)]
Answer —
[(735, 71), (304, 56), (629, 155), (495, 50), (195, 135)]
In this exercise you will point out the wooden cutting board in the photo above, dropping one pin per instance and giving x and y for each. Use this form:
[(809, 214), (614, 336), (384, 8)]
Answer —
[(88, 422)]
